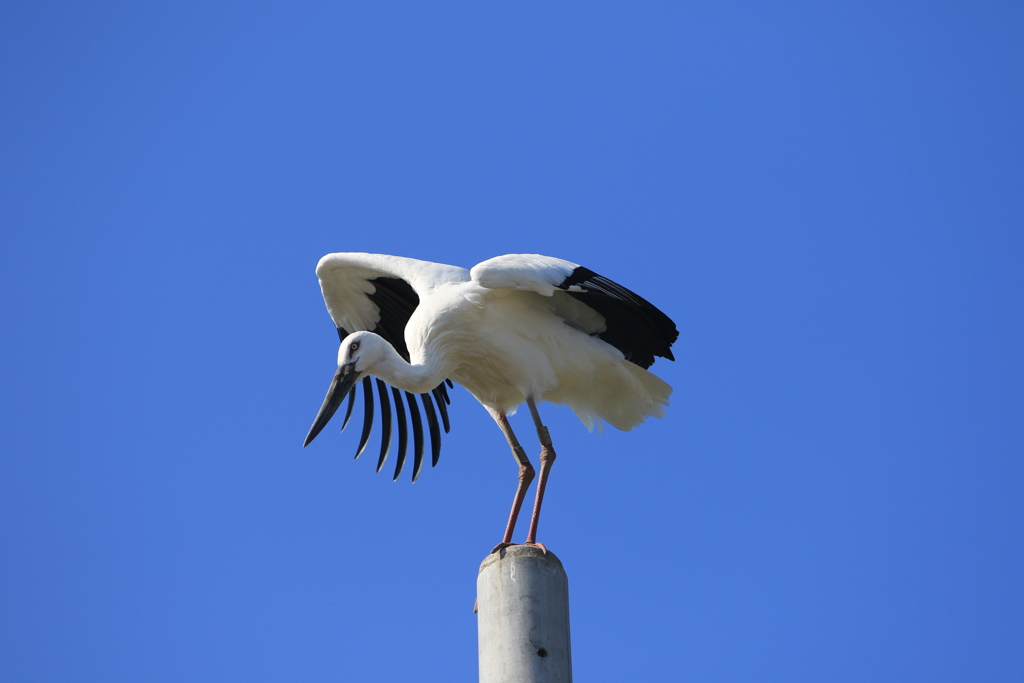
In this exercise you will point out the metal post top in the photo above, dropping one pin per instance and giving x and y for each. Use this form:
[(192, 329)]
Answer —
[(522, 551)]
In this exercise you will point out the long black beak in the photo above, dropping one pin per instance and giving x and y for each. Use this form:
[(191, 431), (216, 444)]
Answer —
[(343, 381)]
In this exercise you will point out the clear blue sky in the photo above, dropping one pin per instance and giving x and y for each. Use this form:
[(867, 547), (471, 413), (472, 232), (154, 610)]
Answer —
[(828, 199)]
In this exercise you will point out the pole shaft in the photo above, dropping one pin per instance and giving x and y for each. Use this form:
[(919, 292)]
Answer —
[(523, 617)]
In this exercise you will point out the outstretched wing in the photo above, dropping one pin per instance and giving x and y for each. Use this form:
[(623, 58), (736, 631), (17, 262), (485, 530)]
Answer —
[(379, 293), (587, 301)]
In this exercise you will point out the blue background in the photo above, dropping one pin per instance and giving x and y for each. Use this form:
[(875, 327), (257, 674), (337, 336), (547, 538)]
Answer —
[(826, 197)]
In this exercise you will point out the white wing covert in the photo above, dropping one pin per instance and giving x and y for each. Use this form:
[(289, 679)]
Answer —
[(541, 274)]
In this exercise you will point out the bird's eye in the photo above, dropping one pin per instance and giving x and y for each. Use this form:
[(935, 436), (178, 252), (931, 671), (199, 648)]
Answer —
[(354, 347)]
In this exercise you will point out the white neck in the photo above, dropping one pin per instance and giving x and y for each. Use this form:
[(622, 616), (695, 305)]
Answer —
[(393, 369)]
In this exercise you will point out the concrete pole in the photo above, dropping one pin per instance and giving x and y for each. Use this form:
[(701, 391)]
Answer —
[(523, 617)]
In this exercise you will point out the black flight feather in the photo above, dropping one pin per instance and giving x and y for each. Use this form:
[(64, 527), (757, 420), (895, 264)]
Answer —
[(403, 429), (441, 396), (435, 431), (417, 437), (348, 412), (633, 325), (367, 414), (396, 300), (385, 423)]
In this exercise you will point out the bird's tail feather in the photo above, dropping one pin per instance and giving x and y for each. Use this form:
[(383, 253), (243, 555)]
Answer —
[(647, 397)]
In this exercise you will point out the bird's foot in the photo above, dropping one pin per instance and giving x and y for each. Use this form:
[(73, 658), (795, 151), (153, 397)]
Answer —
[(506, 545)]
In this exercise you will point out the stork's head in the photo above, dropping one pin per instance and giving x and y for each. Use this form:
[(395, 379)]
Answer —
[(359, 350), (357, 355)]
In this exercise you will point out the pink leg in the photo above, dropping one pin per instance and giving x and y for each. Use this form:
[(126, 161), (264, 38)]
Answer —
[(526, 474), (547, 458)]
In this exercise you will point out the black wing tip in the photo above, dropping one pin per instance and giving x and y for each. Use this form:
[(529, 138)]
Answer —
[(403, 431), (385, 423), (348, 411), (417, 434), (367, 416), (435, 430), (441, 396)]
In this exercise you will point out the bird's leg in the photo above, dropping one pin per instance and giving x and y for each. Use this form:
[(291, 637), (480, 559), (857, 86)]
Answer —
[(547, 457), (526, 473)]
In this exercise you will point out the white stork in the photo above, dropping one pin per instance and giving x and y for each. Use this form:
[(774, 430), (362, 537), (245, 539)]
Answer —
[(515, 328)]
